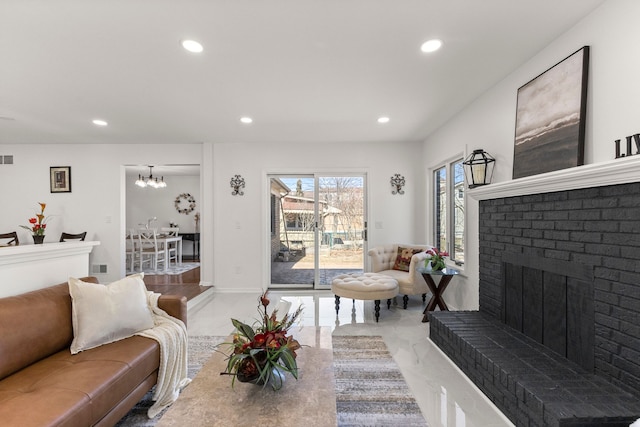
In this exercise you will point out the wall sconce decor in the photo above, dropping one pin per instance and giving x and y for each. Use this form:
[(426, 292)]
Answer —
[(237, 182), (397, 182), (478, 168)]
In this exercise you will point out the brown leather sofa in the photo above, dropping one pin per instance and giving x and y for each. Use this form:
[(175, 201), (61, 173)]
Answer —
[(42, 384)]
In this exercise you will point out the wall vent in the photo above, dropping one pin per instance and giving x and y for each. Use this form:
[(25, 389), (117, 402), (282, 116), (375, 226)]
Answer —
[(6, 160), (99, 269)]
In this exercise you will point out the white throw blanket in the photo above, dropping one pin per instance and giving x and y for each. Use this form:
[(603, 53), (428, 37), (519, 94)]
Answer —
[(171, 334)]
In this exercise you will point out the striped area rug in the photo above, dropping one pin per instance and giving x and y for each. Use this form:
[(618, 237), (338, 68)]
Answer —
[(370, 389)]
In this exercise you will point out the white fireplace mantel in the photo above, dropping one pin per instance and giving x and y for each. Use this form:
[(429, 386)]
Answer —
[(25, 268), (613, 172)]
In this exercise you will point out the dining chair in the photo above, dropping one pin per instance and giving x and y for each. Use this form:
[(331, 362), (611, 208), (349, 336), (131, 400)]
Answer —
[(13, 236), (170, 231), (132, 255), (64, 237), (173, 246), (149, 249)]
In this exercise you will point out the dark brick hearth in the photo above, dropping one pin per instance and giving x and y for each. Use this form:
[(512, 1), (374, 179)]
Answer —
[(531, 384), (595, 234)]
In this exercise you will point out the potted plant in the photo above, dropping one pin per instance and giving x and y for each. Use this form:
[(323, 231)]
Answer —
[(37, 225), (435, 257), (262, 353)]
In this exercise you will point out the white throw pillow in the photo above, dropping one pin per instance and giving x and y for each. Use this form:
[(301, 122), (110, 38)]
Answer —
[(106, 313)]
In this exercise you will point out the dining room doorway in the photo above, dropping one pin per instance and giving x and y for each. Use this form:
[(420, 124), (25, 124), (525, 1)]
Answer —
[(318, 228), (176, 206)]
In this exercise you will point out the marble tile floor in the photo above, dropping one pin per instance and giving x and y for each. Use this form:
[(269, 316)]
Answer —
[(445, 396)]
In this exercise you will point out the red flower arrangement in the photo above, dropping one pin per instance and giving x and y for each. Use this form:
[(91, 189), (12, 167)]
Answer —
[(38, 223), (262, 352), (436, 258)]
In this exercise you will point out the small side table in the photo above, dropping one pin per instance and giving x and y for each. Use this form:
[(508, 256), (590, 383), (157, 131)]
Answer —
[(437, 289)]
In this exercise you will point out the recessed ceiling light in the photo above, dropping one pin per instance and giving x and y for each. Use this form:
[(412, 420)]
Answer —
[(192, 46), (246, 120), (99, 122), (431, 45), (383, 119)]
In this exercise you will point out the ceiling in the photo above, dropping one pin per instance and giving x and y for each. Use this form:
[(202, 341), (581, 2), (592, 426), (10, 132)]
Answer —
[(306, 71)]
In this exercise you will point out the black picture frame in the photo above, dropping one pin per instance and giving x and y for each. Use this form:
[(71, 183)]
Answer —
[(60, 179), (550, 118)]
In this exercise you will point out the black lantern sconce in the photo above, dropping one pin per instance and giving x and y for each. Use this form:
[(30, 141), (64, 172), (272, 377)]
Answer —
[(237, 182), (397, 182), (479, 168)]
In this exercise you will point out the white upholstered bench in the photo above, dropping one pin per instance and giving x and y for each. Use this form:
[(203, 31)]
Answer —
[(365, 286)]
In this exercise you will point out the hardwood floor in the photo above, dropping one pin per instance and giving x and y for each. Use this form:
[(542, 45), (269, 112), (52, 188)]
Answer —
[(187, 284)]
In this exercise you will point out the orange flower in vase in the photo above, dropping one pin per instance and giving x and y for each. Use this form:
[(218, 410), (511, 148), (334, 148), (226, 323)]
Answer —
[(37, 224)]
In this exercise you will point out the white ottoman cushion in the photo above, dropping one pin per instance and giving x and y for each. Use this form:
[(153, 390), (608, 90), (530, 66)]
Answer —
[(366, 286)]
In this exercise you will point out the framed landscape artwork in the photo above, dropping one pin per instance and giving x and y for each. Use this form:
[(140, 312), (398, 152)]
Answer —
[(550, 118), (60, 179)]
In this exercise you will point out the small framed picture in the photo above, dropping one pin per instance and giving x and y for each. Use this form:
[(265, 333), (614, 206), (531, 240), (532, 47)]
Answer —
[(60, 179)]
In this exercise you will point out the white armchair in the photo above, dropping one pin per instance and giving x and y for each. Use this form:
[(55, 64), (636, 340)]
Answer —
[(411, 282)]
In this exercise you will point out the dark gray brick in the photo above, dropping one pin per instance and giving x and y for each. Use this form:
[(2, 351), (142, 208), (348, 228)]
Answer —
[(585, 237), (600, 249)]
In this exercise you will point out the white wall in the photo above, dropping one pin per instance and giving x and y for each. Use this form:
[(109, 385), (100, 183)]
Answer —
[(238, 256), (241, 246), (489, 122), (96, 203)]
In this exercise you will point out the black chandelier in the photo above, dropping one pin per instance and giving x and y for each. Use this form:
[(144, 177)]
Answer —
[(150, 181)]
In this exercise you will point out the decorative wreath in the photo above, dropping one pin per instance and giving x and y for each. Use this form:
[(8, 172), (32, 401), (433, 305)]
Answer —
[(189, 198)]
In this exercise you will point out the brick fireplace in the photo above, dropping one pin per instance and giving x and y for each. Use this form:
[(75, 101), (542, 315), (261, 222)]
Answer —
[(556, 340), (590, 240)]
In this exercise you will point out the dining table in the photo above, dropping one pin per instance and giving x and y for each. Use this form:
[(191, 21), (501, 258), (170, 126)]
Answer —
[(164, 241)]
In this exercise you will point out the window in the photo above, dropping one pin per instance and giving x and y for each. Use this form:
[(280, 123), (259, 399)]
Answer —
[(449, 209)]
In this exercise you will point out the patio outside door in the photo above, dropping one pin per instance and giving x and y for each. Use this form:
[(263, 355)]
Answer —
[(318, 229)]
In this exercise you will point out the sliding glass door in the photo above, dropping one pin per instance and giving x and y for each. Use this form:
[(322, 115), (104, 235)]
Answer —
[(318, 228)]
